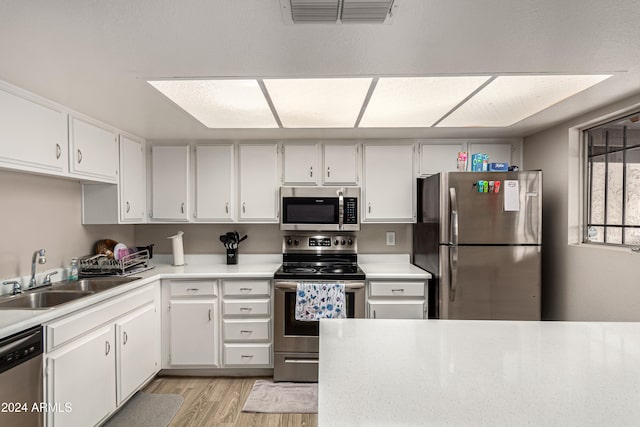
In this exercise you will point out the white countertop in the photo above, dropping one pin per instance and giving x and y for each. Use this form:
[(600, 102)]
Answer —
[(387, 266), (478, 373), (12, 321)]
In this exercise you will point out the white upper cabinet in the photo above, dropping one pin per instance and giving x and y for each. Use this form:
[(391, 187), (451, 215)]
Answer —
[(170, 182), (258, 181), (132, 180), (340, 164), (33, 133), (389, 184), (93, 150), (300, 163), (439, 157), (215, 199)]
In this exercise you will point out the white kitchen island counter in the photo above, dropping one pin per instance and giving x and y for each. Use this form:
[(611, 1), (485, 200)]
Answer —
[(478, 373)]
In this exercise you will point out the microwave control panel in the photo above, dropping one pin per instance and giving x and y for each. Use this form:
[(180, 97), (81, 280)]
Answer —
[(350, 210)]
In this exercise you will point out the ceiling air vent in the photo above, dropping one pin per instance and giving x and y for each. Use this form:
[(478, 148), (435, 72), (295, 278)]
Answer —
[(338, 11)]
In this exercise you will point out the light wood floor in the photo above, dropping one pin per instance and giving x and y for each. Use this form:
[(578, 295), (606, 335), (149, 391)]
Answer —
[(218, 402)]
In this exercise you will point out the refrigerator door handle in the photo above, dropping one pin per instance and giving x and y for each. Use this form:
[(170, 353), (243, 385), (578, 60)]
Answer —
[(453, 272), (453, 217)]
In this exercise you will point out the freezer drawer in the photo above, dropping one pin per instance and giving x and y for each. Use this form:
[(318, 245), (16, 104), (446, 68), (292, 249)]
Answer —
[(490, 282)]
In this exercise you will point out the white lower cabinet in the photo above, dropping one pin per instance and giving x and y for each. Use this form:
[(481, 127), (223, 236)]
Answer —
[(99, 356), (397, 300), (81, 377), (191, 323), (193, 332), (137, 349), (247, 323)]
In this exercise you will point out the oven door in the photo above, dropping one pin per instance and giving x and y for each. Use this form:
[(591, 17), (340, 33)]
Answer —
[(291, 335)]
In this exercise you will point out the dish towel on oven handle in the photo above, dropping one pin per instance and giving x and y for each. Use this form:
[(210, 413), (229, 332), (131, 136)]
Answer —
[(315, 301)]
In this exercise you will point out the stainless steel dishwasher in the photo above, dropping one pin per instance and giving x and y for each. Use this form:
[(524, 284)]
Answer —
[(21, 379)]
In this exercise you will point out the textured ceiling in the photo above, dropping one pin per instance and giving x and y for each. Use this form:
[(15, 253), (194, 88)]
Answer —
[(94, 56)]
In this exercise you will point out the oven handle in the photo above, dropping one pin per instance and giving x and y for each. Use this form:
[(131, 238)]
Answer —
[(294, 285)]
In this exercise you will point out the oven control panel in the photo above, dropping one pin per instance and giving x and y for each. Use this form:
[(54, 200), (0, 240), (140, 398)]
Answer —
[(315, 243)]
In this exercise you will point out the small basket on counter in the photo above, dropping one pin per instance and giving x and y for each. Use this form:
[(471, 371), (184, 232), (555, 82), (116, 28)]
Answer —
[(103, 265)]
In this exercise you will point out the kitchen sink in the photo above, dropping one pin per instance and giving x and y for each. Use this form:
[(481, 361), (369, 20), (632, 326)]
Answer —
[(93, 284), (41, 299)]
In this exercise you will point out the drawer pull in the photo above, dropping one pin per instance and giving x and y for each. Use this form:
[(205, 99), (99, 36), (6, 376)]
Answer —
[(246, 289), (245, 308), (247, 356), (244, 331), (193, 289), (397, 290)]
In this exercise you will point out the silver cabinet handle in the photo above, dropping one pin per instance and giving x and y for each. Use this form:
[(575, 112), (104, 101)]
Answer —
[(58, 151), (209, 315), (244, 209), (246, 331), (226, 207), (397, 290), (182, 208), (128, 207), (374, 314), (247, 356), (79, 156), (246, 289), (125, 338), (311, 172), (328, 172), (245, 308), (107, 348), (193, 289), (369, 207)]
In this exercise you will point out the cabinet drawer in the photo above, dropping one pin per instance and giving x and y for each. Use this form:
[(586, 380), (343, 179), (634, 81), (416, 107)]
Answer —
[(396, 309), (246, 307), (246, 330), (189, 288), (397, 289), (247, 354), (246, 287)]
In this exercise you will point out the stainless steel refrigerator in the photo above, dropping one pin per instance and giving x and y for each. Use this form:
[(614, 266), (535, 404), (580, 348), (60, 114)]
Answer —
[(482, 244)]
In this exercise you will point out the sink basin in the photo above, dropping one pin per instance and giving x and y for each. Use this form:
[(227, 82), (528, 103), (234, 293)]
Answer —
[(41, 299), (92, 285)]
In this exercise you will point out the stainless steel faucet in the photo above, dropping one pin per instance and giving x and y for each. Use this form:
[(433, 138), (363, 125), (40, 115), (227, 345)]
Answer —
[(47, 277), (16, 286), (39, 256)]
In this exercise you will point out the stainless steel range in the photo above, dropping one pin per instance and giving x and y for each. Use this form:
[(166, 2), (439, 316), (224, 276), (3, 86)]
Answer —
[(314, 258)]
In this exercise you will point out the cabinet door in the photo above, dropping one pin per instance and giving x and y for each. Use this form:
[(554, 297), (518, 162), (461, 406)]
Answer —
[(340, 164), (300, 164), (170, 182), (214, 182), (436, 158), (389, 194), (259, 182), (93, 150), (132, 180), (33, 135), (388, 309), (193, 332), (83, 374), (498, 153), (138, 349)]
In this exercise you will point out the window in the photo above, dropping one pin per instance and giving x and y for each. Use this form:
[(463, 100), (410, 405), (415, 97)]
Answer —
[(613, 182)]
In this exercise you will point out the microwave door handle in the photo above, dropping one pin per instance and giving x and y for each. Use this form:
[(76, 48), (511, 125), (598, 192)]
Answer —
[(340, 210)]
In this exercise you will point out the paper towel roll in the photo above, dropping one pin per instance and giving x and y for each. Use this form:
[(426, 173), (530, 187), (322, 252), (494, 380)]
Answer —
[(178, 249)]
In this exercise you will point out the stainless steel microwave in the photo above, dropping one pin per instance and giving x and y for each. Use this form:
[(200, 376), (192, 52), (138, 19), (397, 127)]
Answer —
[(320, 208)]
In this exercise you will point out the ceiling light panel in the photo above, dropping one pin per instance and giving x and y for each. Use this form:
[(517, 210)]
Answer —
[(509, 99), (416, 101), (220, 103), (318, 103)]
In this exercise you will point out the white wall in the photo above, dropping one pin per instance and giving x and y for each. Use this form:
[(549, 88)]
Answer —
[(580, 282), (45, 212)]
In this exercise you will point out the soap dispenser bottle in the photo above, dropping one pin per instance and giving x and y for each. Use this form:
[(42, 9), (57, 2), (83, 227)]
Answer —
[(73, 269)]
